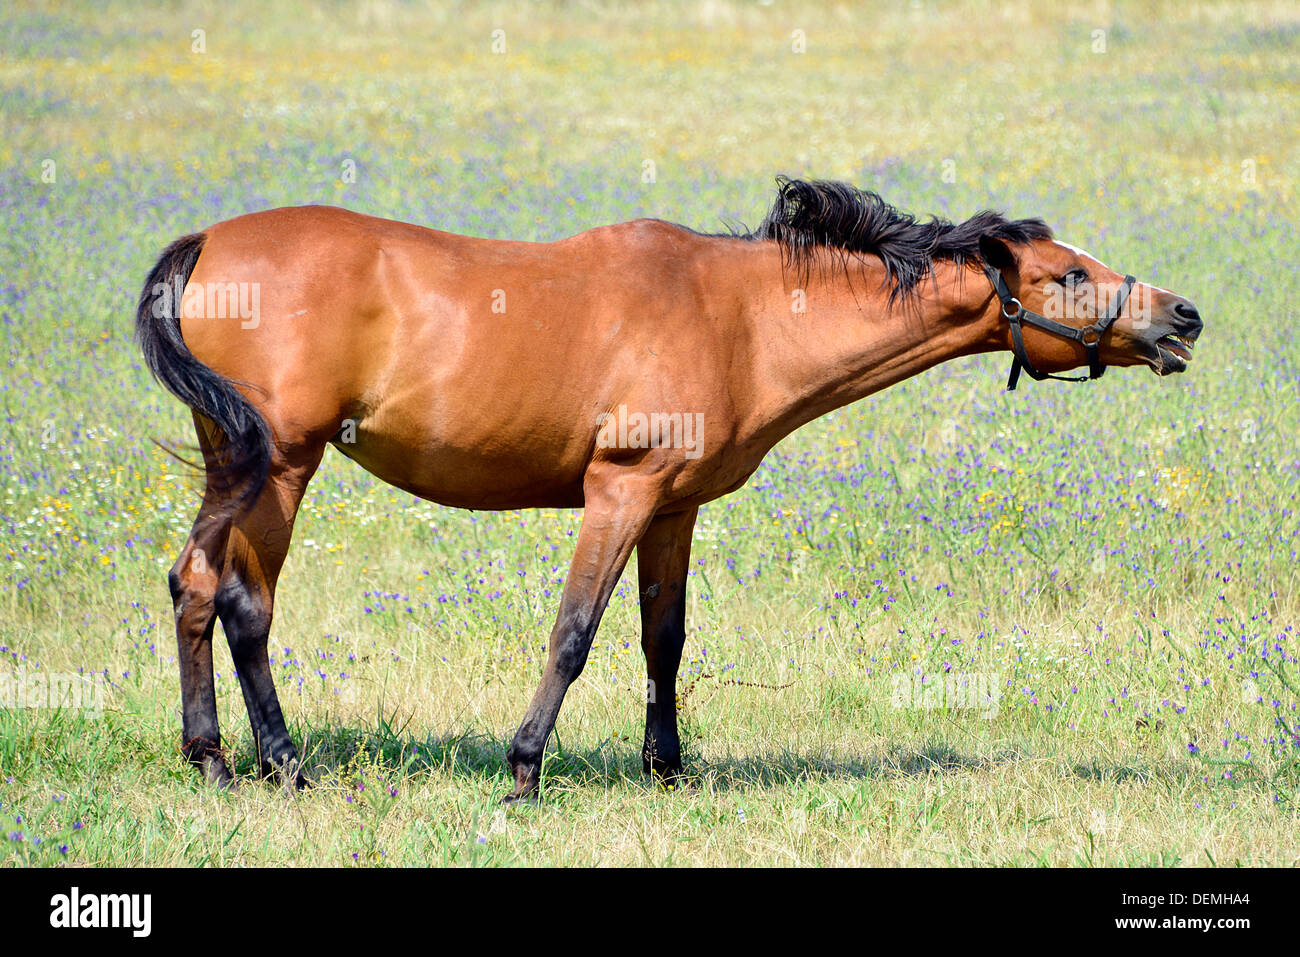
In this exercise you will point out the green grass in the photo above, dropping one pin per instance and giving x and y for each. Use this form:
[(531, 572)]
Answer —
[(1121, 557)]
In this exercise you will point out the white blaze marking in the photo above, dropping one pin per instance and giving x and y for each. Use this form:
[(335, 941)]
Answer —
[(1076, 250), (1083, 252)]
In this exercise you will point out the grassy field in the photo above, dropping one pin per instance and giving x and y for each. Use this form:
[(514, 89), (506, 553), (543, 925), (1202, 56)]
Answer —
[(1118, 560)]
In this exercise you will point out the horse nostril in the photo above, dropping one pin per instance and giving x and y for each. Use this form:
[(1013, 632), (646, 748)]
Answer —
[(1185, 310)]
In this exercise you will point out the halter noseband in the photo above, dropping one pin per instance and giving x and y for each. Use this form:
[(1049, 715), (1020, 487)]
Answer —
[(1088, 336)]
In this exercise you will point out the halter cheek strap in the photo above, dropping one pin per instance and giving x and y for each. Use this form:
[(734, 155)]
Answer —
[(1088, 336)]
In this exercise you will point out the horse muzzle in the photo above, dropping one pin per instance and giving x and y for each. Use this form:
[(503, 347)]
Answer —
[(1171, 350)]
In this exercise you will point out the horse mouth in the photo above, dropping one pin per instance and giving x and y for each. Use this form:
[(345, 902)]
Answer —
[(1173, 353)]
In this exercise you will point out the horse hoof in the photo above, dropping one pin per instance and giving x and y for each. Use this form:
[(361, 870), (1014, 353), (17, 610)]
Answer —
[(668, 776), (216, 772), (291, 776), (530, 796)]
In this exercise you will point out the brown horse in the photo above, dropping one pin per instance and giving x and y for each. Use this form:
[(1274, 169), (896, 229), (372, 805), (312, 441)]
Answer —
[(636, 371)]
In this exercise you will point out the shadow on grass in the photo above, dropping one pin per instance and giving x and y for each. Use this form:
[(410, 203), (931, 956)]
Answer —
[(334, 752), (1104, 772)]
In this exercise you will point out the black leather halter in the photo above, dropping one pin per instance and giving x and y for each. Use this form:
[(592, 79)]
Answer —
[(1089, 336)]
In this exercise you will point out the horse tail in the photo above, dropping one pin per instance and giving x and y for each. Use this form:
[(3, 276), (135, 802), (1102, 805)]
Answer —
[(245, 457)]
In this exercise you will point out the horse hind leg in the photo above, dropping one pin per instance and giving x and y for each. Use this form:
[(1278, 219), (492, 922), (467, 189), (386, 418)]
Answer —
[(245, 600), (193, 583)]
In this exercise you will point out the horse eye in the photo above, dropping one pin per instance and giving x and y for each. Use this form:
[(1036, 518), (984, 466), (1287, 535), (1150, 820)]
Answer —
[(1074, 277)]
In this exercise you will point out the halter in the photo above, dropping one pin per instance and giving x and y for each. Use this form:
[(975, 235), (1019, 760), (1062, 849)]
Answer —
[(1088, 336)]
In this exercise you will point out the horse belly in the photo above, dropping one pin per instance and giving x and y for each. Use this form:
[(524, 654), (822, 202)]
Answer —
[(488, 477)]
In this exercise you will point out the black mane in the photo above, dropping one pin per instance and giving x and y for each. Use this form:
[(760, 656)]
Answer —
[(809, 216)]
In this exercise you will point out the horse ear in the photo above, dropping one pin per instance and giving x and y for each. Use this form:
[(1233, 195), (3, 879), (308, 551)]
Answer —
[(997, 254)]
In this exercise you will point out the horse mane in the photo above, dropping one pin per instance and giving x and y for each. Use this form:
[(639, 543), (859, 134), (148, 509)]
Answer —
[(809, 216)]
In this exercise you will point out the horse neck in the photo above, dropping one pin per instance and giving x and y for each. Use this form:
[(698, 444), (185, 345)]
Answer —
[(851, 340)]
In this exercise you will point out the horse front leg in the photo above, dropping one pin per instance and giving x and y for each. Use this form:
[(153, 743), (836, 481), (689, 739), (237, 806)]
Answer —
[(618, 509), (663, 558)]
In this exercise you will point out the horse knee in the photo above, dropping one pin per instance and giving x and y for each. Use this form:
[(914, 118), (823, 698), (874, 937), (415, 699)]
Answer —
[(570, 659), (572, 642), (245, 616)]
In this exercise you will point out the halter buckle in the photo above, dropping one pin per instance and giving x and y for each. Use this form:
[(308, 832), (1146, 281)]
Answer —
[(1018, 310)]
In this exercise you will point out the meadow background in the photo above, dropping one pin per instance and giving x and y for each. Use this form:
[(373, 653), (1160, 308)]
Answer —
[(1121, 556)]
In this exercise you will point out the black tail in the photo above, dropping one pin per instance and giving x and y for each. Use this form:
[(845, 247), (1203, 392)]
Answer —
[(245, 459)]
